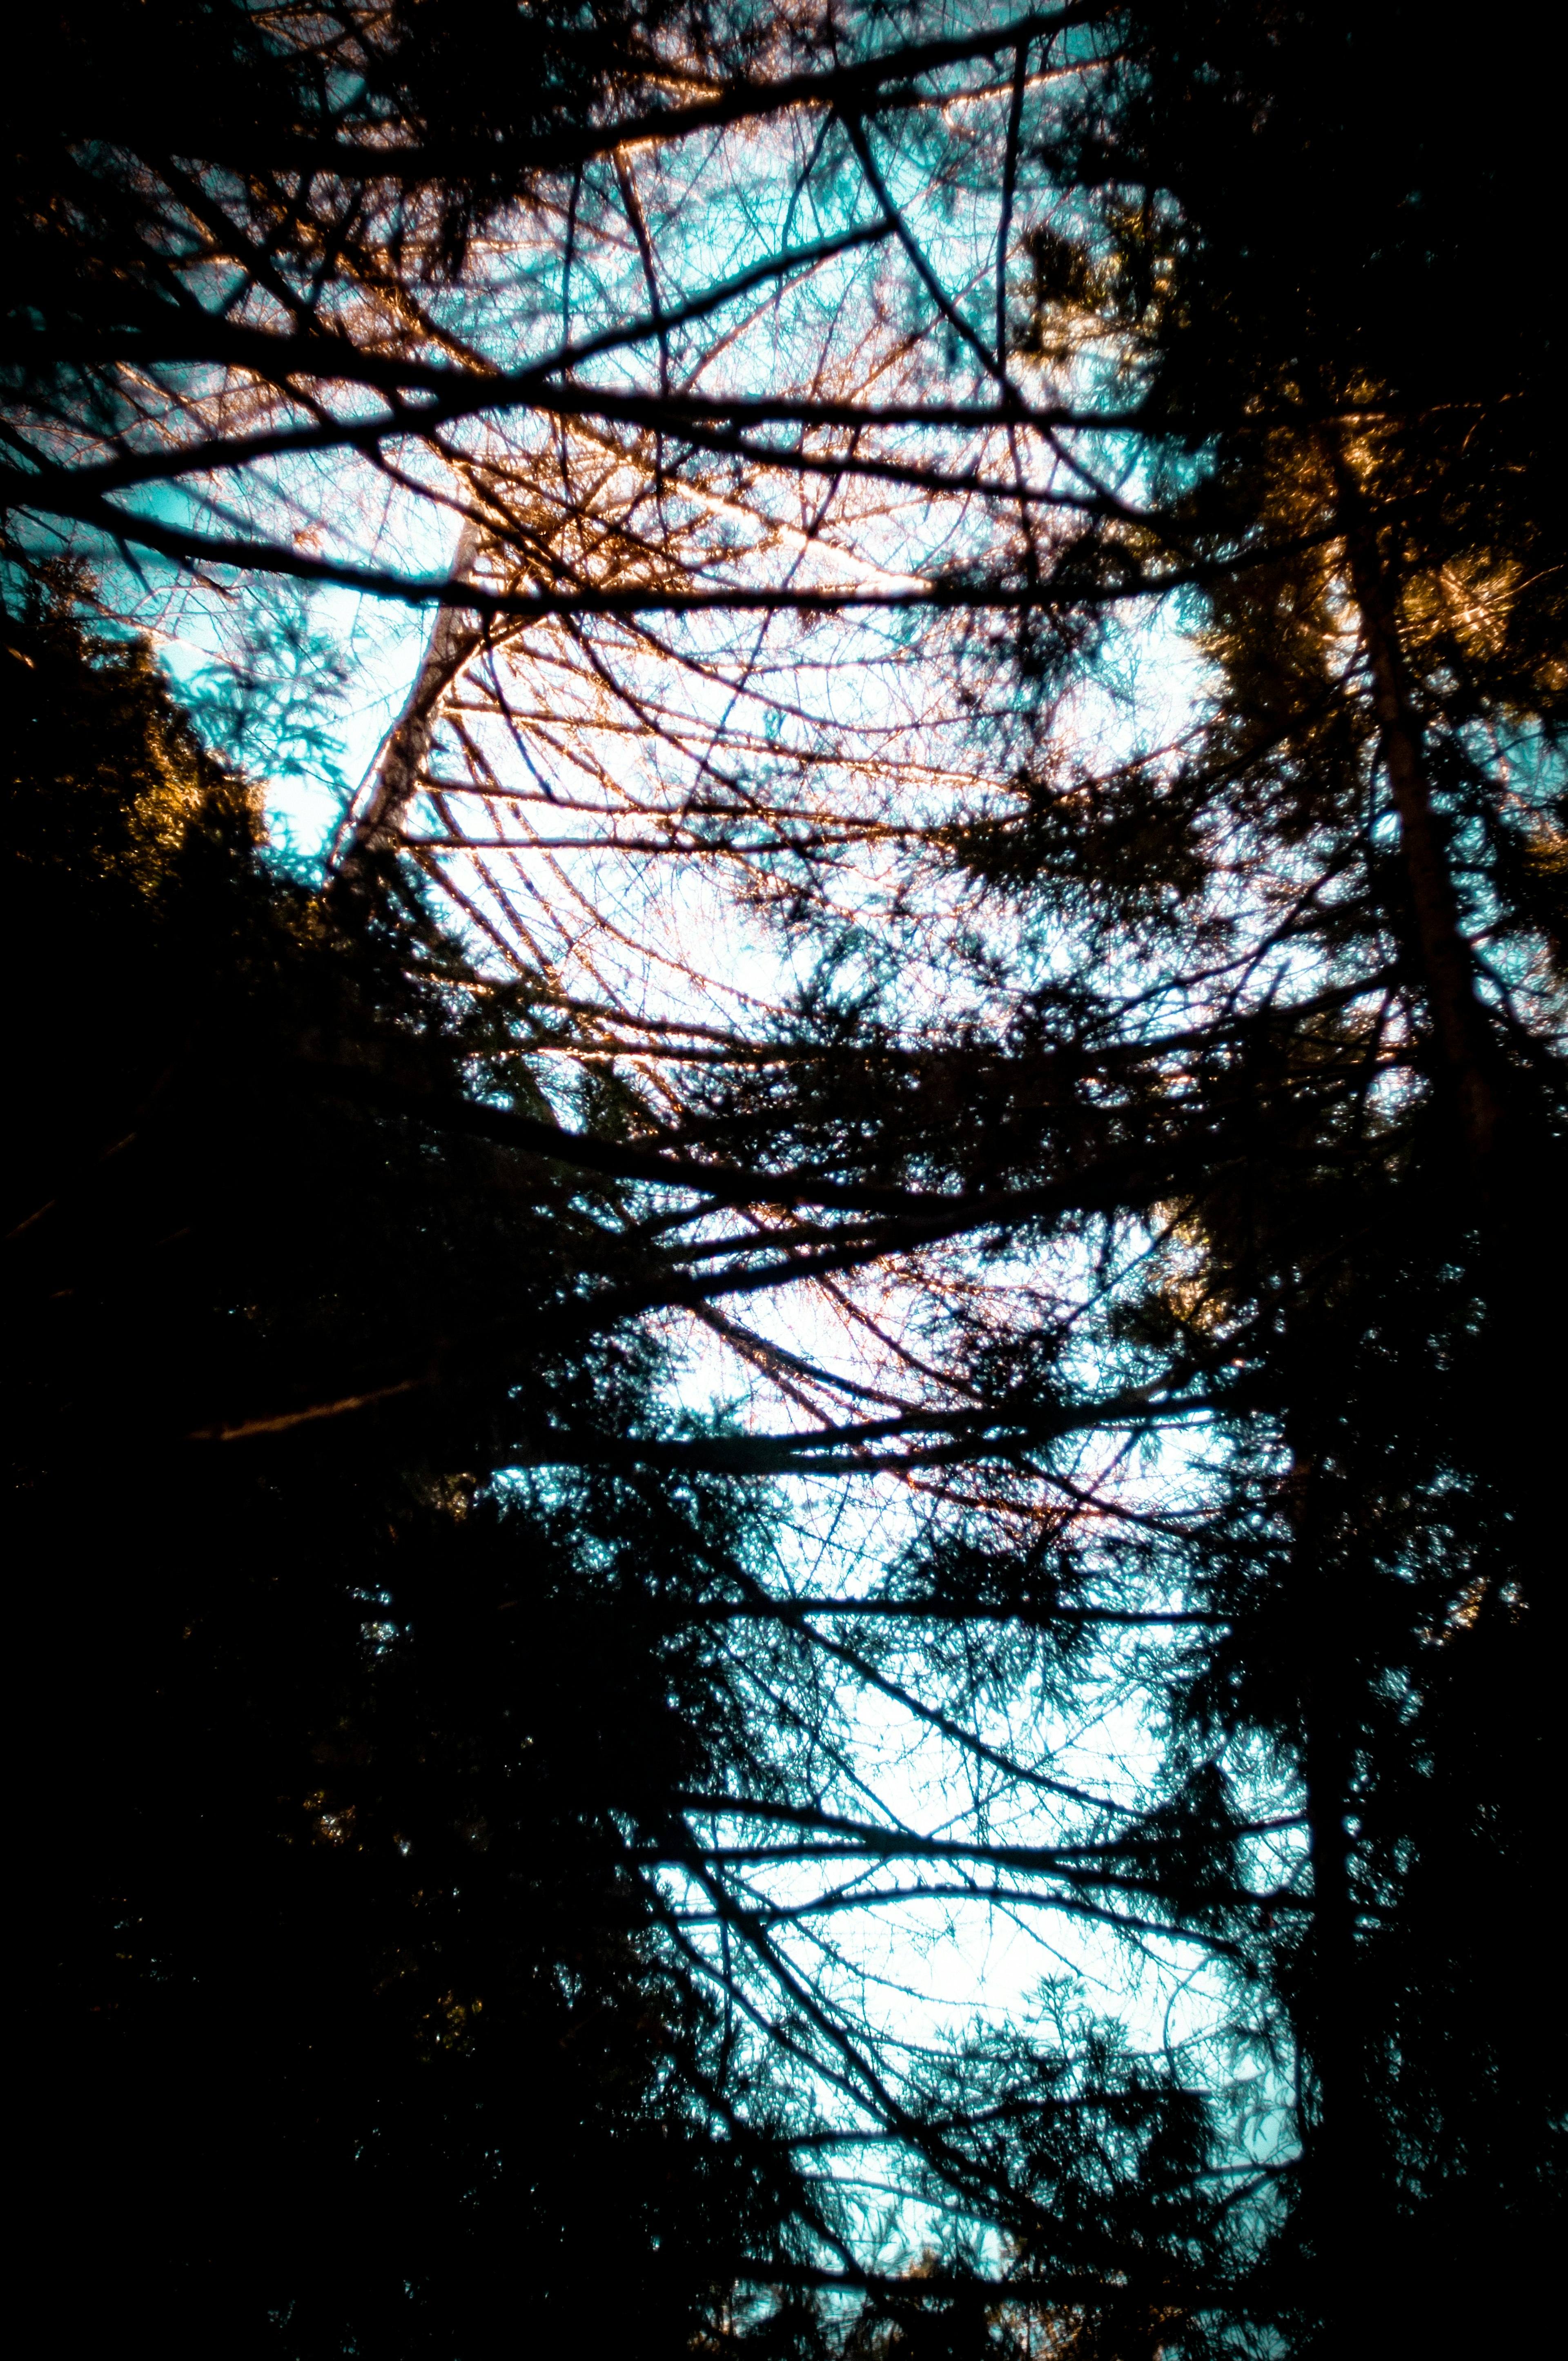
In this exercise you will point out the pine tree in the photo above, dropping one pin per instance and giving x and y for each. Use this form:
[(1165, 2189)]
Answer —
[(1360, 852), (363, 2034)]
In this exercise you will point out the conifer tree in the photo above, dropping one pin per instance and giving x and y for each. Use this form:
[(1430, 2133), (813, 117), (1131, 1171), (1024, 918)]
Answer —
[(1360, 854), (362, 2035)]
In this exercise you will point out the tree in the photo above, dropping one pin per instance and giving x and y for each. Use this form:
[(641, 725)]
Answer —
[(1345, 883), (1381, 596), (361, 2030)]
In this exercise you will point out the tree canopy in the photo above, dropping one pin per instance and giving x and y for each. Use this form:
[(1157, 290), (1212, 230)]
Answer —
[(876, 1250)]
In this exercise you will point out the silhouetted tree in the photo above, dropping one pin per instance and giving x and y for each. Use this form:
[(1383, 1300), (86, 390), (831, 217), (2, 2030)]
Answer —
[(361, 2033)]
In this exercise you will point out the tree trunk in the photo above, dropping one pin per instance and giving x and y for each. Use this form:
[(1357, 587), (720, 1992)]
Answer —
[(1334, 2142), (452, 643), (1448, 969), (1335, 2133)]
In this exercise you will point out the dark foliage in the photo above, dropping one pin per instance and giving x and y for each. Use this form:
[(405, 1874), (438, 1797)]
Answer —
[(1293, 216), (359, 2033)]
